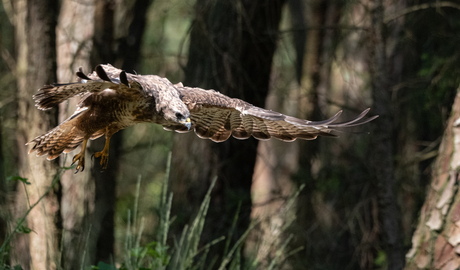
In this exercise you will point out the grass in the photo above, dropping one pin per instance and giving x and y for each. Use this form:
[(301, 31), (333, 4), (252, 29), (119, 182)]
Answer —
[(186, 253)]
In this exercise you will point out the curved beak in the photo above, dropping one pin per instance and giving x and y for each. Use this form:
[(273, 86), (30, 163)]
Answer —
[(188, 123)]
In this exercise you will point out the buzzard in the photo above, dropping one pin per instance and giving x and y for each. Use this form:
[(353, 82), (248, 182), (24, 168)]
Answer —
[(113, 100)]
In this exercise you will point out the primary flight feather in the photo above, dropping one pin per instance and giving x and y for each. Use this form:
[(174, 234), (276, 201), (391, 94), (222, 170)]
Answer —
[(113, 100)]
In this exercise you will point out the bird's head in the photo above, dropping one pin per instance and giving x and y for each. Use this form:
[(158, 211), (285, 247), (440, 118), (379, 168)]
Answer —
[(183, 119), (168, 101), (178, 113)]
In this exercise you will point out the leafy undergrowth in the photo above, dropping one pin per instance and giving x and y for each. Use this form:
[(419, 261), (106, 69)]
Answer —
[(186, 254)]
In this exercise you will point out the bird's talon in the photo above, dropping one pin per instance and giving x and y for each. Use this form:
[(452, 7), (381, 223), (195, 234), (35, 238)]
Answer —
[(104, 155), (80, 160)]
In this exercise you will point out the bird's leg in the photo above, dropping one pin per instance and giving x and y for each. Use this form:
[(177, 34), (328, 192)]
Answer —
[(80, 157), (104, 154)]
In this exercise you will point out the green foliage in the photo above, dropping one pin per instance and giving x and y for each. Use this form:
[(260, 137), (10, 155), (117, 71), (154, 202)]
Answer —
[(153, 250), (152, 256), (21, 228), (381, 259), (6, 267), (103, 266), (18, 178)]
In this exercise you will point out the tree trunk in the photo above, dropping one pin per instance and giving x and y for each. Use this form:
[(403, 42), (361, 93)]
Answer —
[(231, 50), (126, 57), (130, 43), (74, 47), (6, 44), (436, 241), (36, 38), (278, 161), (102, 216), (324, 165), (381, 156)]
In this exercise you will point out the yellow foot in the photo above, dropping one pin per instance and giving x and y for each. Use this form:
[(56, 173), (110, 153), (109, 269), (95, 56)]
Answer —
[(104, 155), (80, 159)]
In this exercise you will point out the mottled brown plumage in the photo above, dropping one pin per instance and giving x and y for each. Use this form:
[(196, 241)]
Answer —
[(113, 100)]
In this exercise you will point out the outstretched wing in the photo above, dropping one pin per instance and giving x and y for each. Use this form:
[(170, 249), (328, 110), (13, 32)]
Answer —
[(216, 117), (105, 77)]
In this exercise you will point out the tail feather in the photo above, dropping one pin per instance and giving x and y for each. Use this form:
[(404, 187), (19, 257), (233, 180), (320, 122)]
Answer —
[(63, 138)]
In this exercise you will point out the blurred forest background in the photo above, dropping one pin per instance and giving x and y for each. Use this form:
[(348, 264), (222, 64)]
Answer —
[(372, 199)]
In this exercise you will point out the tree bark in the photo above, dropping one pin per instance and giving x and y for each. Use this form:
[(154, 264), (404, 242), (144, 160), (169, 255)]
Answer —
[(6, 44), (231, 50), (436, 241), (36, 38), (74, 47), (89, 196)]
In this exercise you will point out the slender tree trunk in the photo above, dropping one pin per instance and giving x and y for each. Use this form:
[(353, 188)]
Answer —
[(130, 43), (89, 197), (320, 224), (382, 153), (6, 68), (74, 47), (275, 165), (299, 25), (126, 57), (36, 67), (102, 217), (436, 241), (231, 50)]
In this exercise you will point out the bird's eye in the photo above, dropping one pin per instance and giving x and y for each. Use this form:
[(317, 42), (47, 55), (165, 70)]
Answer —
[(179, 115)]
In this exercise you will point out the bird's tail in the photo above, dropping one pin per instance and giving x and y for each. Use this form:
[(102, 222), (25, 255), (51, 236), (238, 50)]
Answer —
[(63, 138)]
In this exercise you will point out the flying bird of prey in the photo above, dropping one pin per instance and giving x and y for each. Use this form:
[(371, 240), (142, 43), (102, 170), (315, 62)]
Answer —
[(113, 100)]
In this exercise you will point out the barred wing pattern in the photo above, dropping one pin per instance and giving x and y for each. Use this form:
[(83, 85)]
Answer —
[(216, 117)]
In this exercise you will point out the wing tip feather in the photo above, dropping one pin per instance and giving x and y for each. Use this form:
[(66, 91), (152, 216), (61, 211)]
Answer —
[(102, 74), (124, 78), (82, 75)]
